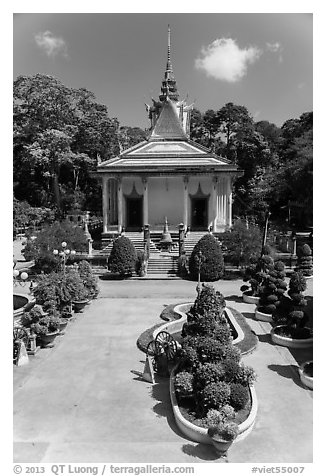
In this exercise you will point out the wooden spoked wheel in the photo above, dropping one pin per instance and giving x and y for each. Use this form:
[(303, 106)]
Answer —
[(167, 343), (153, 348), (19, 335)]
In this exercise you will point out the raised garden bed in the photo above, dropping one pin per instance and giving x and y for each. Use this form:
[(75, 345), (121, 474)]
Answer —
[(280, 336)]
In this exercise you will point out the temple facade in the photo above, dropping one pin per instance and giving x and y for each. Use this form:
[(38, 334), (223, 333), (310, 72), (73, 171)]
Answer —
[(167, 178)]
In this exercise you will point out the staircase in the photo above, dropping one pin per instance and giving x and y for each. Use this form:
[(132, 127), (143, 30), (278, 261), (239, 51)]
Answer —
[(191, 240), (162, 264)]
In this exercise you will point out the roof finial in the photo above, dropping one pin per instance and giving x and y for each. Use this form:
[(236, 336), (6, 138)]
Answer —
[(168, 65)]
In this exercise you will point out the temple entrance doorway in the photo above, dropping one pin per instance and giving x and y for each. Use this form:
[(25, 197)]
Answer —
[(134, 214), (199, 214)]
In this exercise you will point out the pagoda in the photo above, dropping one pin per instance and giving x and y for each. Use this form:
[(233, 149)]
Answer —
[(168, 175)]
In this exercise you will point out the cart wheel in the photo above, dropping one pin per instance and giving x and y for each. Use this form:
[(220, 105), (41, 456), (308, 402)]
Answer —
[(153, 348), (168, 343), (19, 333)]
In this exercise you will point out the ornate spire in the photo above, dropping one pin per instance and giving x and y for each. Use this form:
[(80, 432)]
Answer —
[(169, 84)]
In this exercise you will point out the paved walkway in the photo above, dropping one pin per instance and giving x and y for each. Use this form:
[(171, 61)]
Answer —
[(82, 401)]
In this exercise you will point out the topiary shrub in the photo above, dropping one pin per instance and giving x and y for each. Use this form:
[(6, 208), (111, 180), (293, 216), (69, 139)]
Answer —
[(212, 266), (214, 395), (208, 302), (255, 273), (200, 325), (273, 289), (183, 384), (123, 257), (294, 308), (239, 396), (208, 373), (88, 278), (305, 260)]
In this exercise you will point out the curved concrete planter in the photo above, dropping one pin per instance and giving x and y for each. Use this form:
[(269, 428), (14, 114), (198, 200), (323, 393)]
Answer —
[(199, 434), (261, 316), (289, 342), (305, 378), (173, 327), (250, 299), (26, 301)]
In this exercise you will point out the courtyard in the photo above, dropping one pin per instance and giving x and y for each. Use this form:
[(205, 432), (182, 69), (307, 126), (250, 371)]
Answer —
[(84, 399)]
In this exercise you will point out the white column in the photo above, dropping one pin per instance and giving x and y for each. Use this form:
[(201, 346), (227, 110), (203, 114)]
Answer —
[(105, 203), (223, 201), (229, 192), (145, 201), (185, 201), (119, 183), (214, 198)]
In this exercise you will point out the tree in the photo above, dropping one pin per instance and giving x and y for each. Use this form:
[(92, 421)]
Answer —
[(123, 257), (59, 132)]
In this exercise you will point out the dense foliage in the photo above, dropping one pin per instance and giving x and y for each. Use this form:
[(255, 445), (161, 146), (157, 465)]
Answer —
[(305, 260), (40, 247), (277, 161), (208, 258), (210, 376), (255, 273), (272, 289), (122, 260), (242, 243)]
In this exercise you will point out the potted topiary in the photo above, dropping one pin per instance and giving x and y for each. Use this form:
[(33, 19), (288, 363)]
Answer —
[(222, 428), (306, 373), (44, 325), (291, 318), (272, 289), (88, 278), (254, 274), (80, 298), (305, 261)]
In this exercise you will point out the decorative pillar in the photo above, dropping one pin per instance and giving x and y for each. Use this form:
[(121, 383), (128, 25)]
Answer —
[(145, 200), (119, 183), (229, 201), (181, 238), (214, 198), (185, 201), (105, 203), (223, 202)]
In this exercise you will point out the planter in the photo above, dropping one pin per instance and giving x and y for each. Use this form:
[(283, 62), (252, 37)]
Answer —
[(305, 376), (80, 305), (221, 446), (288, 341), (47, 339), (199, 434), (262, 316), (63, 324), (246, 296)]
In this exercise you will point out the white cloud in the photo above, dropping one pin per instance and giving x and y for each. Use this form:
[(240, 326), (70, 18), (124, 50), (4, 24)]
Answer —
[(225, 60), (275, 48), (51, 45)]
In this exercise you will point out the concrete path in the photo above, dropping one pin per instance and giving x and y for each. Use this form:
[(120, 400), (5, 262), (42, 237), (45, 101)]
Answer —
[(83, 401)]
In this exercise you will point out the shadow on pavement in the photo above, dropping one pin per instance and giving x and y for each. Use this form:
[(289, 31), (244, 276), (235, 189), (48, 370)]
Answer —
[(249, 315), (287, 371), (266, 338), (202, 451), (234, 298)]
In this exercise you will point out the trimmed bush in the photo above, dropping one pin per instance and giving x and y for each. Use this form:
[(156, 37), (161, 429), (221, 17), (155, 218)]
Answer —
[(212, 266), (214, 395), (305, 260), (239, 396), (208, 373), (184, 384), (88, 278), (123, 257), (227, 430), (272, 289), (208, 301), (255, 273)]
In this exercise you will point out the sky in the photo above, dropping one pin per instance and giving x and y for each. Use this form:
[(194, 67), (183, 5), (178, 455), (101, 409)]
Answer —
[(262, 61)]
